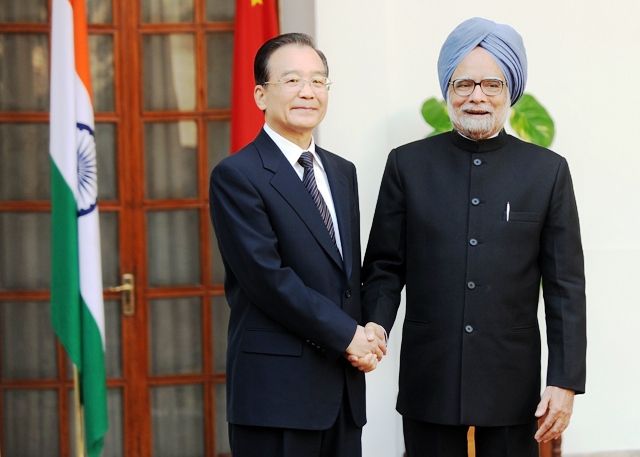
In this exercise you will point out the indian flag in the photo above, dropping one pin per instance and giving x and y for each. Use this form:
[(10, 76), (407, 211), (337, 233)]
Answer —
[(77, 308)]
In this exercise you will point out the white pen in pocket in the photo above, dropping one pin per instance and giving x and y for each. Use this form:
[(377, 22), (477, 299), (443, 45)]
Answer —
[(508, 210)]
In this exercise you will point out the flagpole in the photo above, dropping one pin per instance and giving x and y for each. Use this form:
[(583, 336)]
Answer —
[(79, 422)]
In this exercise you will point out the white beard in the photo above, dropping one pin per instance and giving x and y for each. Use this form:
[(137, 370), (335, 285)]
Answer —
[(478, 129)]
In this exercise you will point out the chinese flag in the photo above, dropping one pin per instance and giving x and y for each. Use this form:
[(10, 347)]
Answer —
[(256, 22)]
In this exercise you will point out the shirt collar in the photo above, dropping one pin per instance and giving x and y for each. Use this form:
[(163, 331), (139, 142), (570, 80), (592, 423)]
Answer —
[(465, 136), (291, 150), (490, 144)]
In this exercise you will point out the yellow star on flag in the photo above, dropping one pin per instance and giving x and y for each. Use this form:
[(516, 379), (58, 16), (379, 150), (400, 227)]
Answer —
[(256, 2)]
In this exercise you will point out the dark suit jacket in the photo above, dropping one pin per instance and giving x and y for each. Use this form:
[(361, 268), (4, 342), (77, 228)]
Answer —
[(471, 342), (295, 303)]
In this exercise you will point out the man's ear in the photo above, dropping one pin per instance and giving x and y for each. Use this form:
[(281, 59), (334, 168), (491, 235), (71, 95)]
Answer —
[(259, 96)]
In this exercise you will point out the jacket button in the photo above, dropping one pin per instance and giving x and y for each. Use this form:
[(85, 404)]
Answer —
[(468, 329), (473, 242), (347, 293), (471, 285), (477, 162), (475, 201)]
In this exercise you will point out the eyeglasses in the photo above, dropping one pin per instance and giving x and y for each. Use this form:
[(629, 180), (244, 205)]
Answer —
[(465, 87), (320, 83)]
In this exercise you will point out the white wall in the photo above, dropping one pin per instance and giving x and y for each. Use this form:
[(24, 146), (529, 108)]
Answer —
[(382, 56)]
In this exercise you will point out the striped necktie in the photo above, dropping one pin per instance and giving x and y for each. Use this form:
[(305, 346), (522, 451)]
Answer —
[(309, 180)]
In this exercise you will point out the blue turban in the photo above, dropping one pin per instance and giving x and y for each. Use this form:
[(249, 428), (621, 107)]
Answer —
[(500, 40)]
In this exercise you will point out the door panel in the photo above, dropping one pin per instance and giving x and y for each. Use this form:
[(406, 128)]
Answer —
[(29, 177), (22, 233), (24, 84), (218, 77), (102, 76), (176, 336), (169, 71), (171, 160), (161, 76), (27, 355), (173, 248), (31, 409), (178, 420)]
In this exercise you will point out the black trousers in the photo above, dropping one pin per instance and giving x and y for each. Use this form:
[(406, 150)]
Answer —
[(343, 439), (423, 439)]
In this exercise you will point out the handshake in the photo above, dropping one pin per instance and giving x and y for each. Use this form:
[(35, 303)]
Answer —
[(368, 346)]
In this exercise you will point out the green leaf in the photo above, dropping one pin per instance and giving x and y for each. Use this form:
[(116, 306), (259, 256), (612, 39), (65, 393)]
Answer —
[(531, 122), (436, 115)]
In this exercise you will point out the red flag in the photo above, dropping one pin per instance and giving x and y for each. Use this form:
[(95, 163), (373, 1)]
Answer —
[(256, 22)]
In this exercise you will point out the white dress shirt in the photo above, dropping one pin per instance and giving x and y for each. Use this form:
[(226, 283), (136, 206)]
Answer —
[(292, 152)]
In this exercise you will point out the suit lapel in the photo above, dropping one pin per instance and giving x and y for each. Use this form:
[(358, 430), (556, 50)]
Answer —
[(290, 187)]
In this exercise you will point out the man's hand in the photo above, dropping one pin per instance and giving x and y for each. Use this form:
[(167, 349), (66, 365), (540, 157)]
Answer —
[(375, 343), (556, 406), (365, 364), (376, 333)]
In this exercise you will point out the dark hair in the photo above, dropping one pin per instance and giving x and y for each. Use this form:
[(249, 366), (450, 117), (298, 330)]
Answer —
[(261, 62)]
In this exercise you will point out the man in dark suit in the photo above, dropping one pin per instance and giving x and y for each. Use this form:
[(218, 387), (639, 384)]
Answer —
[(472, 221), (287, 219)]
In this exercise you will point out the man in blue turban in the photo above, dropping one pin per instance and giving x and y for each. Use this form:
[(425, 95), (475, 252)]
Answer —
[(472, 222)]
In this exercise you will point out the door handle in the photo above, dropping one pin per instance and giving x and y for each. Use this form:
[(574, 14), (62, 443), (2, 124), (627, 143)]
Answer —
[(128, 297)]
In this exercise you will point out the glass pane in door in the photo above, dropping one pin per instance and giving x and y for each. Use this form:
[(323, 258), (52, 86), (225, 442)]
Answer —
[(113, 335), (23, 11), (171, 159), (217, 267), (28, 341), (223, 448), (173, 248), (220, 10), (109, 248), (169, 72), (99, 11), (31, 423), (220, 314), (24, 81), (106, 150), (218, 134), (102, 82), (177, 414), (25, 251), (114, 439), (167, 11), (219, 66), (176, 336), (25, 171)]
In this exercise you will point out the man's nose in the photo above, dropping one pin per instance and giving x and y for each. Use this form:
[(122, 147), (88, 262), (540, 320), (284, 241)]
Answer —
[(477, 94), (305, 89)]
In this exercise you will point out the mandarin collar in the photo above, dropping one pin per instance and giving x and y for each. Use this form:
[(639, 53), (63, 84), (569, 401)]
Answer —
[(490, 144)]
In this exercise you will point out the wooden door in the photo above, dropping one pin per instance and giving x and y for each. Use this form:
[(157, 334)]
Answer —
[(161, 73)]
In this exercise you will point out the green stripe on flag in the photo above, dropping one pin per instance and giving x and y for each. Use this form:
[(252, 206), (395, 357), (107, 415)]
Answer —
[(94, 386), (65, 277), (72, 320)]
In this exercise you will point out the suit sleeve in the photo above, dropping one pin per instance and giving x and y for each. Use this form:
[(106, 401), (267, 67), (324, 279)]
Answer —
[(249, 246), (563, 284), (384, 262)]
